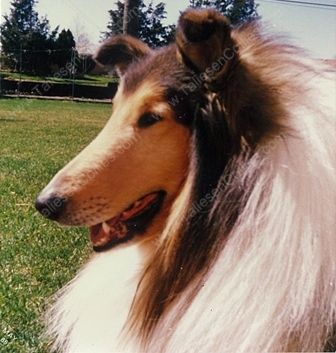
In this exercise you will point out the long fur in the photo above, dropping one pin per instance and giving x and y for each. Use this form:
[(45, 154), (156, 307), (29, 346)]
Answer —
[(252, 270)]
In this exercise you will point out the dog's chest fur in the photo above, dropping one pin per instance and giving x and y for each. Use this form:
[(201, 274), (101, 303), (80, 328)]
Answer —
[(93, 308)]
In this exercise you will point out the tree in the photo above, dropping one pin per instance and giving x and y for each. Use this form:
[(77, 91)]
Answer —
[(64, 46), (149, 22), (23, 35), (236, 10), (151, 27), (84, 45), (28, 43), (115, 25)]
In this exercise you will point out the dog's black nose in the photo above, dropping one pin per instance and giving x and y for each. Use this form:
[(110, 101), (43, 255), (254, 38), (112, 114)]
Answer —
[(51, 207)]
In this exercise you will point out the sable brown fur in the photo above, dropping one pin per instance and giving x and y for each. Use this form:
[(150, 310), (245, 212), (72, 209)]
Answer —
[(203, 32), (227, 126), (119, 51), (204, 38)]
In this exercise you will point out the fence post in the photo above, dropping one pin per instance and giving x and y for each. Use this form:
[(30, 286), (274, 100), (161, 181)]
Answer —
[(1, 72), (19, 86), (73, 61)]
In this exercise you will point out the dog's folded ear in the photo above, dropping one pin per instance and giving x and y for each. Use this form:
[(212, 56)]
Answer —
[(204, 40), (120, 51)]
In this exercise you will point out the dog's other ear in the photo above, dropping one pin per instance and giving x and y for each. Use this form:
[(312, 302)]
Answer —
[(204, 39), (120, 51)]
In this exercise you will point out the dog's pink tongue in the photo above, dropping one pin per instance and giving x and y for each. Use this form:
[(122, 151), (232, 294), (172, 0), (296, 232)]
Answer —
[(115, 228)]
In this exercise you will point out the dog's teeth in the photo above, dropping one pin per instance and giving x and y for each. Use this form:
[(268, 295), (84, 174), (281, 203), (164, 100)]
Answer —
[(136, 204), (122, 231), (106, 228)]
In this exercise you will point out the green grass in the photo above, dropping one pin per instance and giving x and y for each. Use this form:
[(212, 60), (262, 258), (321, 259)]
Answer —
[(92, 80), (37, 257)]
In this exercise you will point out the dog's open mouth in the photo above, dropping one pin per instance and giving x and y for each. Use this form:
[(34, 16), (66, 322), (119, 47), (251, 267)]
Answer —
[(134, 220)]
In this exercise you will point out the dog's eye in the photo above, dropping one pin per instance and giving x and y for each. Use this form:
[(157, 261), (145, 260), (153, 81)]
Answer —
[(148, 119)]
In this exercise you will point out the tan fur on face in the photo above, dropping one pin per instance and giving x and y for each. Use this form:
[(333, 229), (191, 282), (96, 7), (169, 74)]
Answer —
[(125, 162)]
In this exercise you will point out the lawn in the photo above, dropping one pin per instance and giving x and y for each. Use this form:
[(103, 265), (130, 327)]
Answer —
[(37, 257)]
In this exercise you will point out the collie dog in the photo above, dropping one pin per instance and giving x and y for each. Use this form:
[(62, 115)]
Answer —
[(210, 196)]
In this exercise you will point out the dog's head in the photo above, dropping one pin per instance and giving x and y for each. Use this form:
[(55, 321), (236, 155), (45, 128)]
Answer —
[(134, 169)]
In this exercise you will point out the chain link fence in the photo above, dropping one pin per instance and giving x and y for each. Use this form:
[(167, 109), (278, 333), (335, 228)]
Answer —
[(70, 79)]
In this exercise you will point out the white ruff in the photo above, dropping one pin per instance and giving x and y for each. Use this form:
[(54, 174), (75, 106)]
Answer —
[(273, 287), (91, 311)]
